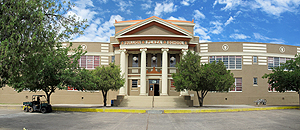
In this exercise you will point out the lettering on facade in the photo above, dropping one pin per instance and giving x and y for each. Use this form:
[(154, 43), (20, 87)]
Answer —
[(153, 42)]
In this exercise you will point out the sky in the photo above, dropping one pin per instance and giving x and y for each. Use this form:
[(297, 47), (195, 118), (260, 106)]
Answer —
[(266, 21)]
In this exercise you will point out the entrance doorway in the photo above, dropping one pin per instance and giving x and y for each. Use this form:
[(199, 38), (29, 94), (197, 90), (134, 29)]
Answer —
[(153, 87)]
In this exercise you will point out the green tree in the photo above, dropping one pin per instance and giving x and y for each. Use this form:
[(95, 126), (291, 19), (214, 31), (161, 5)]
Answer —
[(286, 76), (103, 78), (47, 72), (192, 75), (30, 29)]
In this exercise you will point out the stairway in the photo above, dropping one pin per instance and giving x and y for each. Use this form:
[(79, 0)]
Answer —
[(159, 102)]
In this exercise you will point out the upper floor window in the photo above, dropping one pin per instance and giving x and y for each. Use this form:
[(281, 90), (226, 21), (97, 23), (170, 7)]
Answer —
[(276, 61), (172, 60), (89, 62), (231, 62), (154, 60), (112, 59), (135, 60), (254, 59)]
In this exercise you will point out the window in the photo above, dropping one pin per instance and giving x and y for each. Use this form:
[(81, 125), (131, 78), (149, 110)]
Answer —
[(135, 62), (134, 83), (89, 62), (254, 59), (231, 62), (238, 85), (255, 81), (172, 83), (112, 59), (276, 61), (72, 89), (154, 61), (172, 60)]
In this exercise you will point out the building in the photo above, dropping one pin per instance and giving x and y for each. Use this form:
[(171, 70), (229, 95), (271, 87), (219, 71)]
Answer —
[(147, 51)]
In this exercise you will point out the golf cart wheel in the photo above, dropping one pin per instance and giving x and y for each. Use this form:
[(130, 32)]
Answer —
[(43, 110), (30, 109), (25, 109)]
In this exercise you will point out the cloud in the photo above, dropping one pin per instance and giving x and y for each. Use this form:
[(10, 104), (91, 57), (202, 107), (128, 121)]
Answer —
[(187, 2), (217, 29), (84, 3), (232, 18), (230, 4), (164, 8), (239, 36), (146, 5), (229, 21), (198, 15), (179, 18), (258, 36), (102, 32), (123, 5), (272, 7), (201, 32), (81, 12), (277, 7), (103, 1), (215, 3)]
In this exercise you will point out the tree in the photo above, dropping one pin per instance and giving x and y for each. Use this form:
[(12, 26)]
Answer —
[(286, 76), (192, 75), (47, 72), (103, 78), (30, 29)]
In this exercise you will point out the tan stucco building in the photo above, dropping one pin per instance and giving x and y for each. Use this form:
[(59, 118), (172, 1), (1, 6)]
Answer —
[(147, 51)]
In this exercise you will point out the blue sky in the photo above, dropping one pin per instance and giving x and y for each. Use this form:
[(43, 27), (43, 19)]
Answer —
[(267, 21)]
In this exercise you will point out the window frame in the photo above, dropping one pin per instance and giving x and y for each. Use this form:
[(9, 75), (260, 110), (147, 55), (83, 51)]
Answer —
[(235, 84), (255, 60), (233, 62), (255, 81), (95, 61), (134, 83)]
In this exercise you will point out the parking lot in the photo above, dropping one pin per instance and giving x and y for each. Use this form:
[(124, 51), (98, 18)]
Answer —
[(273, 119)]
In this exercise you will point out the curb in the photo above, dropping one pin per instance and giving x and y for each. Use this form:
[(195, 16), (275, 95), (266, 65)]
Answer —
[(98, 110), (160, 111), (171, 111), (231, 110)]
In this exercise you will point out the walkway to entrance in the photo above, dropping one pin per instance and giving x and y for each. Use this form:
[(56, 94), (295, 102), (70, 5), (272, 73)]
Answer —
[(154, 101)]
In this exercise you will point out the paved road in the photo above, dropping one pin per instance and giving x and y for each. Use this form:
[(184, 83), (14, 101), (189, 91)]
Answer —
[(269, 120)]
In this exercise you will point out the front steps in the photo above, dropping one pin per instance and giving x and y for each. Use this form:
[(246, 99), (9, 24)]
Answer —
[(157, 102)]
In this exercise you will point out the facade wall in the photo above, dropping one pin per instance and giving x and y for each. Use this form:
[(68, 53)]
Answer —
[(245, 51), (250, 70)]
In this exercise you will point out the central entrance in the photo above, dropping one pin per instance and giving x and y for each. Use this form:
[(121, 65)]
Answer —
[(154, 87)]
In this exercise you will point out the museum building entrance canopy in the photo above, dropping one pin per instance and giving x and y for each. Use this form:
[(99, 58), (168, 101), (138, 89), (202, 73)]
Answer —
[(148, 51)]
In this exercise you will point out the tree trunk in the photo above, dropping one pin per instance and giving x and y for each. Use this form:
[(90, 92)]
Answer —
[(48, 97), (200, 99), (104, 93)]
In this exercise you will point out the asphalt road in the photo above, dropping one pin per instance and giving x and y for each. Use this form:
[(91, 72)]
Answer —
[(268, 120)]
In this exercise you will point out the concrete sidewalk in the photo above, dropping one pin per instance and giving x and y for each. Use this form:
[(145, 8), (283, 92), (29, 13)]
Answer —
[(204, 109)]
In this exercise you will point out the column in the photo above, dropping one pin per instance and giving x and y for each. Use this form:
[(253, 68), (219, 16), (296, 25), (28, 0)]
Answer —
[(164, 91), (143, 72), (126, 73), (123, 70), (184, 92)]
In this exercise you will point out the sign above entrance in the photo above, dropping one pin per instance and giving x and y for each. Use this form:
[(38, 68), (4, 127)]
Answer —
[(153, 42)]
